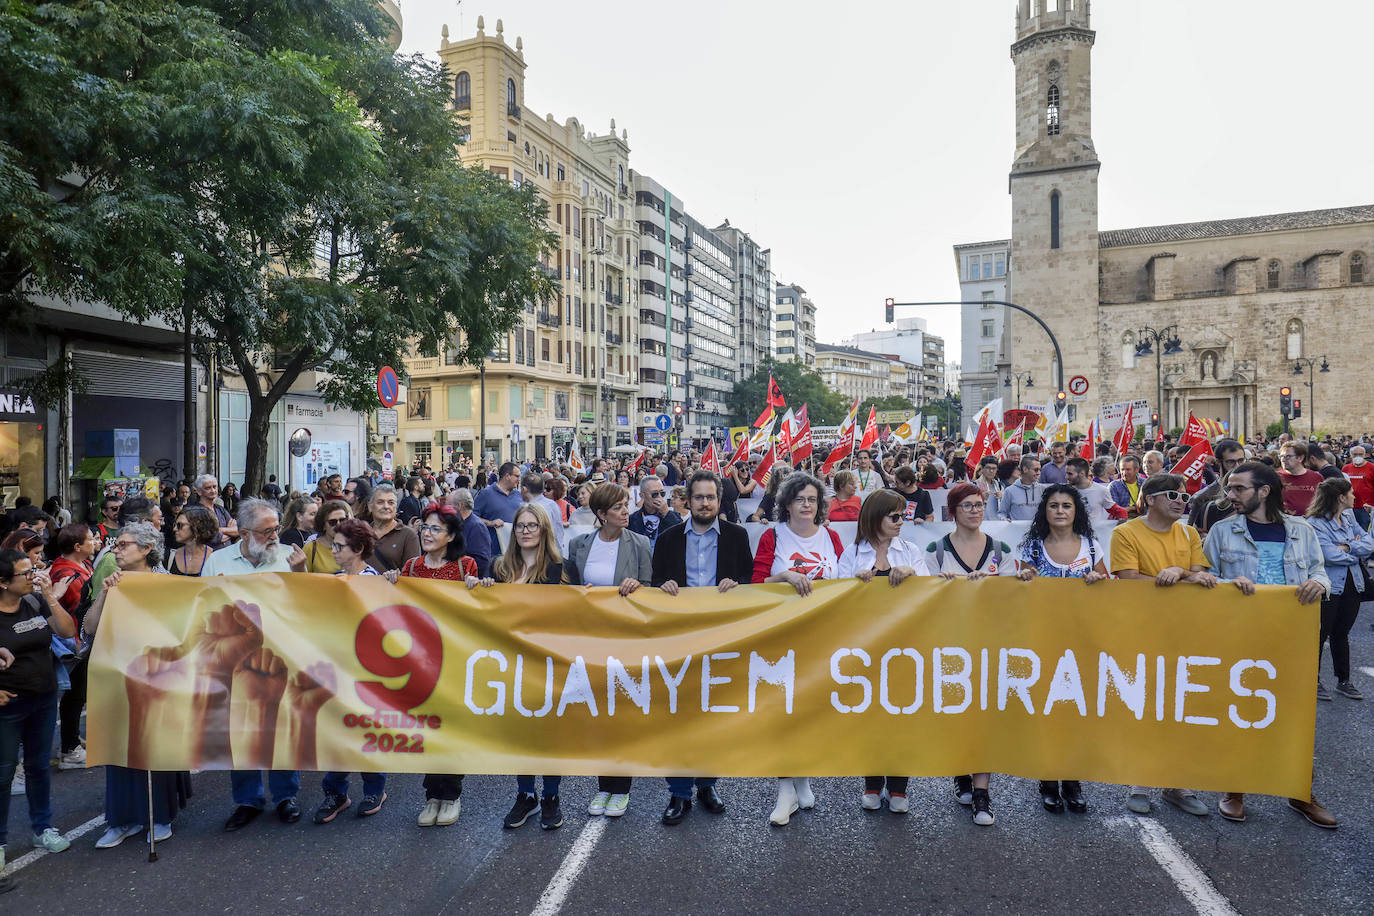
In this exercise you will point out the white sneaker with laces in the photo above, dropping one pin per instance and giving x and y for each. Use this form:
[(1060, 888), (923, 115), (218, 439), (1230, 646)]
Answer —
[(898, 804), (113, 836), (448, 812), (161, 833), (75, 759), (597, 806), (805, 798), (429, 813), (19, 785), (871, 801), (616, 805)]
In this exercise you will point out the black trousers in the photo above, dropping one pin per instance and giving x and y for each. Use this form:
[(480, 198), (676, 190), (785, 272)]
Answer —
[(1338, 617), (443, 786), (895, 785), (616, 785), (69, 708)]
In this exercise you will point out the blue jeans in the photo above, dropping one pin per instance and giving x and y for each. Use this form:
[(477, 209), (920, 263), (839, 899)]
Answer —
[(247, 786), (525, 784), (30, 719), (681, 786), (337, 783)]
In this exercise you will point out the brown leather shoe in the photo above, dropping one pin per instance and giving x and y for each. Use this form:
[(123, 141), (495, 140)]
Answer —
[(1314, 813), (1232, 806)]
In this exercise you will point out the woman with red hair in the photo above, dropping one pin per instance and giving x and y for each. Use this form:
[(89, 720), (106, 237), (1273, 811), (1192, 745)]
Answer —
[(968, 553)]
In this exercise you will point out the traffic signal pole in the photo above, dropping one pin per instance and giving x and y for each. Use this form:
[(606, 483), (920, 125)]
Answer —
[(1058, 354)]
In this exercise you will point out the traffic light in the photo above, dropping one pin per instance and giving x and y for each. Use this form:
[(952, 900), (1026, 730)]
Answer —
[(1154, 420), (677, 409), (1297, 409), (1059, 400), (891, 304), (1286, 401)]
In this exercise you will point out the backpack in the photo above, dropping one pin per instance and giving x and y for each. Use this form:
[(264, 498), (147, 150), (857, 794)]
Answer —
[(939, 548)]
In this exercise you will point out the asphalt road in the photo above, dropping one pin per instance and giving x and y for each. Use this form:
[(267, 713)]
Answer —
[(834, 859)]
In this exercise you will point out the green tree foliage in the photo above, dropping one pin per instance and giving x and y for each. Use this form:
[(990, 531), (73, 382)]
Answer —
[(268, 170), (800, 385)]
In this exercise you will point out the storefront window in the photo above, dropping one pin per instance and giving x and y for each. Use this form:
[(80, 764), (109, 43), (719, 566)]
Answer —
[(21, 449)]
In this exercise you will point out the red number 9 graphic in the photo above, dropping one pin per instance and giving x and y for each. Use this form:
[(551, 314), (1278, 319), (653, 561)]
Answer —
[(422, 663)]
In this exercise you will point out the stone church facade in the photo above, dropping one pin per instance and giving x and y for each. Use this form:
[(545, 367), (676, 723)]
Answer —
[(1249, 298)]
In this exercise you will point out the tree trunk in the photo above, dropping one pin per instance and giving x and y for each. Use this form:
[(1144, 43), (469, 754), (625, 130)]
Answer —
[(260, 409)]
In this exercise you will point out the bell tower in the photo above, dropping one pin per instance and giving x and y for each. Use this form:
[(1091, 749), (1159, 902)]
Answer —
[(1053, 185)]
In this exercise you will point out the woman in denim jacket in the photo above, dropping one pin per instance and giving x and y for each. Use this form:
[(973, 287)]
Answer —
[(1345, 547)]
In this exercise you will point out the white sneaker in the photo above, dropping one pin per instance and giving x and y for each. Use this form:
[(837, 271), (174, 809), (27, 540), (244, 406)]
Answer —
[(898, 804), (448, 812), (75, 759), (616, 804), (804, 796), (871, 801), (161, 833), (113, 836), (786, 805), (18, 787), (429, 813), (597, 806)]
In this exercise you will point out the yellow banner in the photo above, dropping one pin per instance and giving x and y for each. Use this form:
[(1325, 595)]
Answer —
[(1118, 682)]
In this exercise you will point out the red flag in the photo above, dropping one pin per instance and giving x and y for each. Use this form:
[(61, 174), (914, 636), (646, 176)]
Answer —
[(639, 459), (870, 437), (785, 435), (801, 442), (1089, 450), (882, 436), (985, 442), (741, 453), (775, 400), (1190, 467), (708, 459), (765, 418), (1016, 438), (1126, 434), (766, 466), (1194, 433), (837, 454)]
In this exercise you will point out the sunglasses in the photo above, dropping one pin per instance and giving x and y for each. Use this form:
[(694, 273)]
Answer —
[(895, 517), (1171, 495)]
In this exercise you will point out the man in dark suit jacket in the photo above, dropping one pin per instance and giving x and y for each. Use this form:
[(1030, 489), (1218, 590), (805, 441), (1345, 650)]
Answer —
[(706, 551), (654, 517)]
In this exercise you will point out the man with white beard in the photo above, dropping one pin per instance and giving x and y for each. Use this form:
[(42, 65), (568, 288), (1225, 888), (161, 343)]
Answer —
[(258, 550)]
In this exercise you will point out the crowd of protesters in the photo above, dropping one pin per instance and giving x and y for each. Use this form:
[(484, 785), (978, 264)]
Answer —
[(1284, 512)]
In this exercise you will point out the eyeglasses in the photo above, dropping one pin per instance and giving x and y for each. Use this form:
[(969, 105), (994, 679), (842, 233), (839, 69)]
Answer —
[(1237, 488), (120, 545), (334, 521), (972, 507), (805, 500), (525, 527), (267, 532), (335, 545), (432, 529), (895, 518), (1171, 495)]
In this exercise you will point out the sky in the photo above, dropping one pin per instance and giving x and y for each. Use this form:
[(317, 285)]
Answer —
[(862, 141)]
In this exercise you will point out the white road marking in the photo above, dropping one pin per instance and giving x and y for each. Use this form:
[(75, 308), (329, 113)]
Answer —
[(73, 835), (551, 901), (1190, 880), (1368, 671)]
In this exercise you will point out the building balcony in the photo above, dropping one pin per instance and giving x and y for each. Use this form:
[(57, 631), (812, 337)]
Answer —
[(613, 299), (513, 111), (614, 340), (425, 365), (548, 319)]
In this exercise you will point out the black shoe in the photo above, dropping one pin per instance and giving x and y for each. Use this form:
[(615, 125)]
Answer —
[(525, 805), (1049, 797), (288, 811), (550, 813), (982, 808), (677, 809), (963, 789), (7, 884), (710, 799), (243, 816), (371, 804), (332, 806), (1072, 793)]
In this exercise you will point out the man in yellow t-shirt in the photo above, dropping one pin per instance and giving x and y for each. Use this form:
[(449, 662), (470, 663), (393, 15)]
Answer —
[(1156, 545)]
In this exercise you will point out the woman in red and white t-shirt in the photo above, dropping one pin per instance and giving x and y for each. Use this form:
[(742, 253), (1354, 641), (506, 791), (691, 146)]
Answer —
[(797, 550)]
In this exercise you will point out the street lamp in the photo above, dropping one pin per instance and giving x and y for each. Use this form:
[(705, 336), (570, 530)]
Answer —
[(1019, 376), (1169, 344), (1311, 378)]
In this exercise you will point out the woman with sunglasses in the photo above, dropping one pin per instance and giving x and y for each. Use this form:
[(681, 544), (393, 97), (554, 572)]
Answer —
[(319, 557), (1059, 543), (351, 541), (194, 529), (29, 616), (968, 553), (532, 558), (879, 550), (298, 524)]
